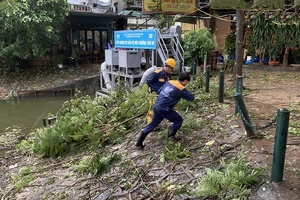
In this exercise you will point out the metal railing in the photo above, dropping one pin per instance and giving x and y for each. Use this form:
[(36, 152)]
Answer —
[(174, 47), (163, 50), (179, 49)]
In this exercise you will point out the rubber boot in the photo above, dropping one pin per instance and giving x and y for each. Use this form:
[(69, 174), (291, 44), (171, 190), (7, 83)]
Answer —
[(170, 131), (140, 140), (172, 134)]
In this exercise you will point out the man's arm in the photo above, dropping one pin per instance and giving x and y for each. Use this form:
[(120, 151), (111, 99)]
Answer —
[(185, 94), (151, 79)]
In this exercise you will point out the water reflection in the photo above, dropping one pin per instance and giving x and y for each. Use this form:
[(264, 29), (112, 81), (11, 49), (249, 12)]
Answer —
[(28, 112)]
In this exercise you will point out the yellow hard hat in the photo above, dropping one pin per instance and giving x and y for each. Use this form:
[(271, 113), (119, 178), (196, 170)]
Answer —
[(171, 62)]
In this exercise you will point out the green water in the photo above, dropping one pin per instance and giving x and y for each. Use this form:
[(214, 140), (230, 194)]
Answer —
[(28, 112)]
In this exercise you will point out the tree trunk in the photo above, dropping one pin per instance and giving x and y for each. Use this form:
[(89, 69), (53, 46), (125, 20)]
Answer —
[(239, 43), (238, 47), (212, 21), (285, 61)]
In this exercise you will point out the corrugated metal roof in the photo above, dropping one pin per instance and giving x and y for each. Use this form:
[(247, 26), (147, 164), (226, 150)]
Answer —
[(75, 2), (87, 14), (103, 3), (96, 6)]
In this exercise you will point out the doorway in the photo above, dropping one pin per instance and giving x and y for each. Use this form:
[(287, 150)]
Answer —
[(92, 41)]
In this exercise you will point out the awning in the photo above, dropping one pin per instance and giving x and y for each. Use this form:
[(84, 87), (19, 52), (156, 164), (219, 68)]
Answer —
[(130, 13), (75, 2), (189, 20)]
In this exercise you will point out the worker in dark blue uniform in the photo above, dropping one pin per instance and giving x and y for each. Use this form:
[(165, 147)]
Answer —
[(160, 76), (156, 80), (169, 95)]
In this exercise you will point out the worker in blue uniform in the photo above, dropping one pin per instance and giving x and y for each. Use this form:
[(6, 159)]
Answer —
[(156, 80), (160, 76), (169, 95)]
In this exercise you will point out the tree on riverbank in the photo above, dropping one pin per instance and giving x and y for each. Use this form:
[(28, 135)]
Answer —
[(29, 29)]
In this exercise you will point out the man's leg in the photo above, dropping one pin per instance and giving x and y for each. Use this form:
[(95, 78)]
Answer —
[(177, 120), (156, 119)]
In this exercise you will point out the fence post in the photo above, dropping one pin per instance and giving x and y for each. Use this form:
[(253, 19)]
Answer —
[(240, 105), (44, 123), (194, 69), (239, 88), (282, 126), (207, 76), (221, 86)]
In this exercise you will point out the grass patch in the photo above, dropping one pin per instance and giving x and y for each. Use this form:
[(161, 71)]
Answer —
[(22, 178), (234, 181)]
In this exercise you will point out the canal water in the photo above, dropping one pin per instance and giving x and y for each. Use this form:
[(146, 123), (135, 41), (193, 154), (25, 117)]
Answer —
[(28, 112)]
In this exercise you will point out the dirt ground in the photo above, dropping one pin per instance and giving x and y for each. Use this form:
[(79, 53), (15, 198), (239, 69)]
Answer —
[(267, 89), (270, 89)]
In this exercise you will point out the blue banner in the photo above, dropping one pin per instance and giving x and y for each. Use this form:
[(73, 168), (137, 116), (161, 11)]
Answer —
[(136, 39)]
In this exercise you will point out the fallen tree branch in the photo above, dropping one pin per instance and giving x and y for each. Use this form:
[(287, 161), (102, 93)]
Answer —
[(297, 143), (143, 183), (127, 120), (47, 167), (268, 153), (227, 149), (3, 197)]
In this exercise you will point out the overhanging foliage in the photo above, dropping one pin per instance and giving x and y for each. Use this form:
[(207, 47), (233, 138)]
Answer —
[(29, 28), (228, 4), (274, 31), (246, 4)]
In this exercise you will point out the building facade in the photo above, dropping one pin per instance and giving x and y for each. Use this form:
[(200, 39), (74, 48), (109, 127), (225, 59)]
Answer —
[(92, 23)]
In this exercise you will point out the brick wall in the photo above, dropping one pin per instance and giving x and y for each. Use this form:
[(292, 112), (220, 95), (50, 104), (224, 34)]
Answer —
[(38, 62), (221, 30), (186, 26)]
